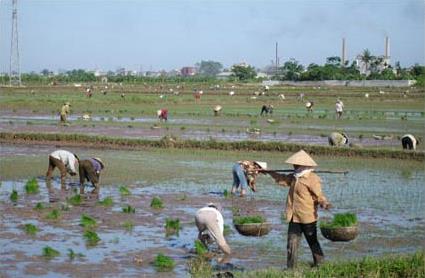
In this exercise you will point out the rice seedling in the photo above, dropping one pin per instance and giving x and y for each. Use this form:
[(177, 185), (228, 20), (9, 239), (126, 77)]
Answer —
[(226, 230), (31, 187), (251, 219), (128, 225), (39, 206), (124, 191), (157, 203), (75, 200), (72, 255), (341, 220), (91, 237), (30, 229), (87, 222), (49, 253), (106, 202), (226, 193), (200, 248), (172, 226), (128, 209), (199, 267), (163, 263), (54, 215), (14, 196)]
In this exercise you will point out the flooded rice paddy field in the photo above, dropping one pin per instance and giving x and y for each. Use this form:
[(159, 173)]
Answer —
[(387, 195)]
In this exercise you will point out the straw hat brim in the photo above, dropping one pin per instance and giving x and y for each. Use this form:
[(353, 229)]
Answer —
[(263, 165), (301, 158), (100, 161)]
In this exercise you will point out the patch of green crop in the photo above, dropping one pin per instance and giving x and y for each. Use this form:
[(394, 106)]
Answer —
[(163, 263), (157, 203), (124, 191), (87, 221), (54, 215), (172, 226), (31, 187), (341, 220), (200, 248), (75, 200), (49, 252), (30, 229), (107, 202), (128, 225), (39, 206), (226, 230), (14, 196), (251, 219), (226, 193), (91, 237), (72, 255), (199, 267), (128, 209)]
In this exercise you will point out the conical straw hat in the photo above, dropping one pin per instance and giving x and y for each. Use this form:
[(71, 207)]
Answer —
[(263, 165), (100, 161), (301, 158)]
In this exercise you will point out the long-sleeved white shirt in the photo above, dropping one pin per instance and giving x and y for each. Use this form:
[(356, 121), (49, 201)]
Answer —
[(219, 217), (67, 158)]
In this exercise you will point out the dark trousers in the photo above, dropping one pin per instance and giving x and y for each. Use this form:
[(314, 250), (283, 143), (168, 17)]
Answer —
[(294, 236)]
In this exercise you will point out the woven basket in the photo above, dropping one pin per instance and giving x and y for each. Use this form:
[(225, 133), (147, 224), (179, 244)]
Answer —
[(254, 229), (340, 234)]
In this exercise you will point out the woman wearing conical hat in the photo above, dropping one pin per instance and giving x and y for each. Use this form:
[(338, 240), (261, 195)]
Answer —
[(304, 197)]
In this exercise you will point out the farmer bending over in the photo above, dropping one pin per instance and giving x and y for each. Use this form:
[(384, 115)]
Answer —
[(305, 194), (210, 224), (65, 161), (89, 170), (245, 173)]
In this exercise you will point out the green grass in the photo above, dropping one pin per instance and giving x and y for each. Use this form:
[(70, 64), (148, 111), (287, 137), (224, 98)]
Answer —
[(200, 248), (91, 238), (128, 225), (49, 253), (75, 200), (251, 219), (128, 209), (72, 255), (87, 221), (157, 203), (124, 191), (199, 267), (106, 202), (163, 263), (14, 196), (393, 266), (172, 226), (39, 206), (341, 220), (31, 187), (30, 229), (54, 215)]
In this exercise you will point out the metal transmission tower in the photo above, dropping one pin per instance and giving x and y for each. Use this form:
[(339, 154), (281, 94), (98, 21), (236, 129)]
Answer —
[(15, 72)]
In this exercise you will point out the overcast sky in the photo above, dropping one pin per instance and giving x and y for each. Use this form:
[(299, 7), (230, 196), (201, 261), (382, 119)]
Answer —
[(168, 34)]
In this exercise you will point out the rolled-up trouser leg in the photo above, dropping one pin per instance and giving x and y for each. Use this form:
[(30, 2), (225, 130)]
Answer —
[(294, 236), (207, 220), (310, 233)]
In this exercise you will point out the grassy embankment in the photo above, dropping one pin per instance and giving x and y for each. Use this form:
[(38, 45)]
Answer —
[(126, 143)]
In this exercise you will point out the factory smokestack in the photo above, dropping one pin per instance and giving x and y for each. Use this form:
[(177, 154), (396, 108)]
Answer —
[(387, 47), (343, 52)]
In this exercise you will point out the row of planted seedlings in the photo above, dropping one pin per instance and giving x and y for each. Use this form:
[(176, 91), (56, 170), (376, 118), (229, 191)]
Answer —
[(89, 224)]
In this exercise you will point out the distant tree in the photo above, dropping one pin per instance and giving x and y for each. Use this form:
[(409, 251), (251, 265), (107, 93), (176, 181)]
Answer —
[(417, 70), (366, 57), (243, 72), (209, 68), (45, 72), (291, 70), (333, 60)]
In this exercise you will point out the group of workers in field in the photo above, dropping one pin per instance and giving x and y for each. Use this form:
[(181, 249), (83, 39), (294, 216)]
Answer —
[(304, 197)]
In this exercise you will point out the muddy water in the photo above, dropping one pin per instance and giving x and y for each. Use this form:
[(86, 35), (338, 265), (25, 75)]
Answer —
[(387, 196)]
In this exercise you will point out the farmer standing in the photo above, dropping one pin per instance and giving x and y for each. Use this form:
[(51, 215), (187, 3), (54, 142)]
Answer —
[(89, 169), (304, 196), (244, 174), (65, 161), (65, 110), (339, 108), (210, 224)]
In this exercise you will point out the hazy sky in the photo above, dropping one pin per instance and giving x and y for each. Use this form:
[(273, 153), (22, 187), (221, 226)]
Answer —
[(167, 34)]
